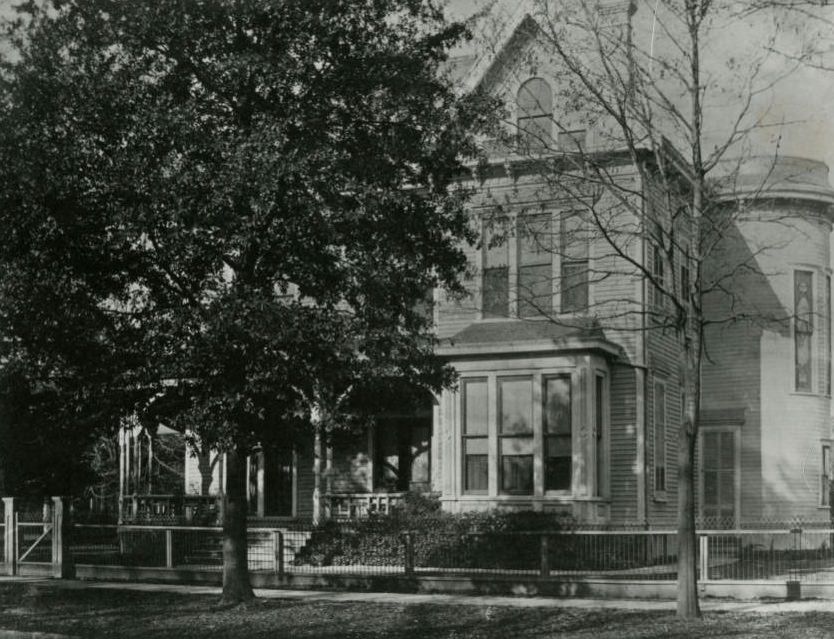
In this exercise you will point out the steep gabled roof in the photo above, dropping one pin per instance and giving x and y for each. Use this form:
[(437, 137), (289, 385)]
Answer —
[(518, 27)]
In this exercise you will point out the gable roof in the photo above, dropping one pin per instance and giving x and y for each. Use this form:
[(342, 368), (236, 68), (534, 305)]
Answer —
[(519, 25)]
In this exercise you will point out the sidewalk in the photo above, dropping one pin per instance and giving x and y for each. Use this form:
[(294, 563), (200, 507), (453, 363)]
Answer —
[(707, 605)]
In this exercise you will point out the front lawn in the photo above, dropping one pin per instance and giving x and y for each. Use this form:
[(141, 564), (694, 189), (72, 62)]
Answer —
[(122, 613)]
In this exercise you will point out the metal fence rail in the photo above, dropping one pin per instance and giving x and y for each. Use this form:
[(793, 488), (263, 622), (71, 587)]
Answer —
[(195, 548), (779, 553)]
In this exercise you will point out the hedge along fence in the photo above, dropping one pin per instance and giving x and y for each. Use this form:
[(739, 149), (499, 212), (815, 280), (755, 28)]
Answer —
[(418, 534)]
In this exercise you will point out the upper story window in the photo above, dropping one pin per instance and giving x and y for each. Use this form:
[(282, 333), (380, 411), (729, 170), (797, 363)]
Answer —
[(495, 289), (574, 263), (535, 266), (527, 265), (803, 329), (535, 114), (659, 439)]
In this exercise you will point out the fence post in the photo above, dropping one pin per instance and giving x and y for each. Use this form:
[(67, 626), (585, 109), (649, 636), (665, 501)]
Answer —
[(169, 548), (703, 557), (794, 588), (409, 553), (544, 555), (62, 564), (278, 550), (10, 538)]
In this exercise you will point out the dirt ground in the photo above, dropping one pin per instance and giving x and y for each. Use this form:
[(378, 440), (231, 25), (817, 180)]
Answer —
[(122, 613)]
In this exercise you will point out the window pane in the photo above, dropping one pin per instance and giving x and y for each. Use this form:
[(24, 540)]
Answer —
[(803, 328), (496, 292), (534, 133), (534, 239), (535, 98), (660, 425), (710, 488), (557, 405), (516, 446), (557, 466), (599, 422), (475, 473), (496, 243), (728, 451), (574, 286), (516, 400), (728, 489), (574, 238), (535, 112), (517, 474), (535, 290), (476, 446), (710, 450), (475, 407)]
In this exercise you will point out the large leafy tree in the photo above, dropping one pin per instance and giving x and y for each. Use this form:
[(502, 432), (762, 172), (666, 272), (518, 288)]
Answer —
[(231, 208)]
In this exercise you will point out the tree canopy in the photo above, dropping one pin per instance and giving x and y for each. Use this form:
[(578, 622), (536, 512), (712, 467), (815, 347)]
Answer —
[(246, 198), (231, 211)]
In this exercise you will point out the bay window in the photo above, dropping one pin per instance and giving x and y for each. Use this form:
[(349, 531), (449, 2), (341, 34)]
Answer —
[(519, 433)]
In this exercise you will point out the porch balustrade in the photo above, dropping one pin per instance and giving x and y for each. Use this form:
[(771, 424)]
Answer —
[(155, 508), (344, 506)]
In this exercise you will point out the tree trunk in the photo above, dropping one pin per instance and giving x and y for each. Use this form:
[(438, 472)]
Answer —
[(687, 547), (236, 587), (688, 607)]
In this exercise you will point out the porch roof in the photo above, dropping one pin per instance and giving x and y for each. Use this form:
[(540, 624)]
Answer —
[(520, 336)]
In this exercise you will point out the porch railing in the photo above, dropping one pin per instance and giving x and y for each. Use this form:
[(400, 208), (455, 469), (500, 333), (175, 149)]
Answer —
[(345, 506), (202, 509)]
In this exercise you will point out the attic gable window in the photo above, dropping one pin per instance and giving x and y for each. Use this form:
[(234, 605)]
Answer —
[(535, 114)]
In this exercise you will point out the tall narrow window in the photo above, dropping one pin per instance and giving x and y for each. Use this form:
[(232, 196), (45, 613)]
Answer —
[(803, 329), (659, 437), (535, 271), (557, 433), (574, 252), (719, 479), (496, 277), (475, 440), (599, 424), (685, 275), (828, 344), (515, 431), (825, 476), (535, 114)]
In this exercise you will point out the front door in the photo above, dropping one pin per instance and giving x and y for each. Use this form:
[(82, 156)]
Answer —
[(271, 483), (278, 483), (719, 479)]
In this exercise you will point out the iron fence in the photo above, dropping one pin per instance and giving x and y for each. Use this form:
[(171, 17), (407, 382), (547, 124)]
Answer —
[(194, 548), (775, 554)]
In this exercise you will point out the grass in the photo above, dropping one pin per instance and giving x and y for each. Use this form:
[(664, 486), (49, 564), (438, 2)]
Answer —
[(122, 613)]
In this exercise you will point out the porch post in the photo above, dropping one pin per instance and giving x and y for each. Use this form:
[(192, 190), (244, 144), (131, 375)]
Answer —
[(317, 473), (261, 480), (10, 537), (62, 564), (121, 473)]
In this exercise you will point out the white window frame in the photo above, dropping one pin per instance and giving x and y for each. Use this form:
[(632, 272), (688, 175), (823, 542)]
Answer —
[(658, 443), (579, 447), (736, 430)]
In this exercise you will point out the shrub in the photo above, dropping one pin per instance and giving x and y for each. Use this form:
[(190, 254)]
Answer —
[(490, 539)]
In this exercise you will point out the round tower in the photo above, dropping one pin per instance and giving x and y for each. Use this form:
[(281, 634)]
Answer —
[(766, 427)]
